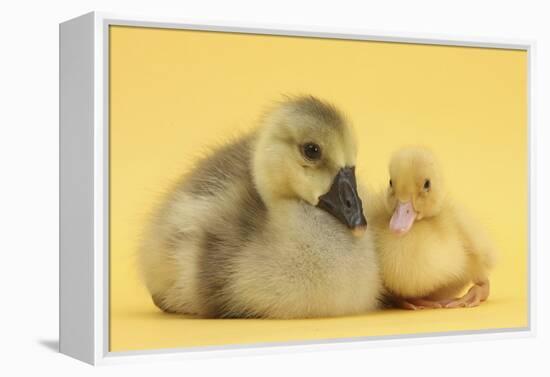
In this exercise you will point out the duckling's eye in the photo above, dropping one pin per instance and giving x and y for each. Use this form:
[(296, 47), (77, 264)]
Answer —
[(391, 184), (427, 185), (311, 151)]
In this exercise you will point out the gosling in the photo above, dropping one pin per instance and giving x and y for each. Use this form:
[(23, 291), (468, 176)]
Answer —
[(268, 226)]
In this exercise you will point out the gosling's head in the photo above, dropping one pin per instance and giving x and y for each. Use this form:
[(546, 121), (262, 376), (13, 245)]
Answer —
[(306, 151), (415, 189)]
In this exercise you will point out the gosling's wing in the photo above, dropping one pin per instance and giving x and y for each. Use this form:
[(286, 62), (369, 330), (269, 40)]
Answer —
[(193, 236), (234, 215), (221, 167)]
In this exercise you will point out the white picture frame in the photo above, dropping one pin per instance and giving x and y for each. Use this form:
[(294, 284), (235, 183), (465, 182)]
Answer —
[(84, 199)]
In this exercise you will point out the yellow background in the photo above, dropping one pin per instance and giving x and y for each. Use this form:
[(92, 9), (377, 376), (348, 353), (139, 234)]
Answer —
[(175, 92)]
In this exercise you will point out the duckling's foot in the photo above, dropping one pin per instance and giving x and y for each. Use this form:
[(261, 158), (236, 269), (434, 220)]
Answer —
[(418, 304), (478, 293)]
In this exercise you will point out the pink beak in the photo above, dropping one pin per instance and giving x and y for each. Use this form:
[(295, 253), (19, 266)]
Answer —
[(403, 218)]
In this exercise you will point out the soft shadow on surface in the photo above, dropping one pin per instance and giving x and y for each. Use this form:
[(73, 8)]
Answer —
[(382, 314), (52, 345), (163, 316)]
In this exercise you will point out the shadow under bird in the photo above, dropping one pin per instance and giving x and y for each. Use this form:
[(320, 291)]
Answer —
[(270, 225)]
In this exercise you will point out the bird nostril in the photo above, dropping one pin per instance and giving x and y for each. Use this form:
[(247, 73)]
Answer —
[(348, 203)]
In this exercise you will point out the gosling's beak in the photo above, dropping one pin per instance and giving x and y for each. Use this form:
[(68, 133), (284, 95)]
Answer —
[(343, 202)]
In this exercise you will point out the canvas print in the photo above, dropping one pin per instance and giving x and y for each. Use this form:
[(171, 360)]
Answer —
[(279, 189)]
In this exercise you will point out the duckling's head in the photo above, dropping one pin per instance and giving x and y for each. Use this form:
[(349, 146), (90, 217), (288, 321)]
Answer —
[(306, 151), (415, 189)]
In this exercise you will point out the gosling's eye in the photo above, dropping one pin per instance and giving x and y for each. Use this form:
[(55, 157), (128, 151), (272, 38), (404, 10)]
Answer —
[(311, 151), (427, 185), (391, 184)]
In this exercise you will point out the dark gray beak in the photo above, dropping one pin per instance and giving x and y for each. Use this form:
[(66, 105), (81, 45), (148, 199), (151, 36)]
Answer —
[(343, 202)]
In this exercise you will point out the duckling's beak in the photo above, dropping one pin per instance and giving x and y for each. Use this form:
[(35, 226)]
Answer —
[(343, 202), (403, 217)]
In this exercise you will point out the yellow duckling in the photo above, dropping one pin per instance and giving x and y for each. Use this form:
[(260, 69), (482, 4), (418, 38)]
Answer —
[(429, 249)]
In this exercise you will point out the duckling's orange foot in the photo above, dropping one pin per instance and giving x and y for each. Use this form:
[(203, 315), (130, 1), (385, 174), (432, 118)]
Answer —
[(475, 296), (418, 304)]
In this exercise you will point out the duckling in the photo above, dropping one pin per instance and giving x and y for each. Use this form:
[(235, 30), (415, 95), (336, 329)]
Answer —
[(268, 226), (429, 249)]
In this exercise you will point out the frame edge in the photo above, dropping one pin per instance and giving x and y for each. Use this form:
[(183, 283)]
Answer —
[(95, 121), (76, 188)]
